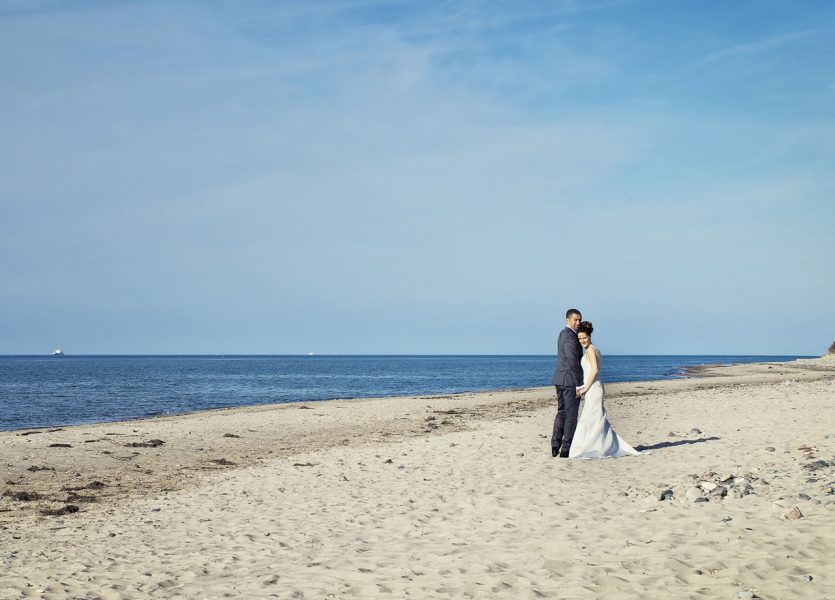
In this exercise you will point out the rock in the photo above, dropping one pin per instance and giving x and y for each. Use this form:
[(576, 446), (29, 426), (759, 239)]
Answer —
[(770, 448), (727, 518), (671, 434), (701, 499), (794, 514), (693, 494), (741, 487), (719, 493), (708, 486), (706, 476), (666, 494), (802, 496), (696, 431)]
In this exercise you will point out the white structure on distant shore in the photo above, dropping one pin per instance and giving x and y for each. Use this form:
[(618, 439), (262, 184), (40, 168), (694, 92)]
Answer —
[(58, 352)]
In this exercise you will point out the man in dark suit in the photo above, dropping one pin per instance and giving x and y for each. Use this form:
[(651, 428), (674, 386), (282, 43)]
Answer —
[(568, 376)]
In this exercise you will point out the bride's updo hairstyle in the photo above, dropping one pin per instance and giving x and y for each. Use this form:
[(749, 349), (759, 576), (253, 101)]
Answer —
[(586, 327)]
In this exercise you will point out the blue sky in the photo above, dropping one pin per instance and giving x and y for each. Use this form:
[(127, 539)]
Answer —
[(424, 177)]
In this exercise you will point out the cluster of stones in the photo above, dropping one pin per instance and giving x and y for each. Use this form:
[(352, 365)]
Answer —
[(711, 486)]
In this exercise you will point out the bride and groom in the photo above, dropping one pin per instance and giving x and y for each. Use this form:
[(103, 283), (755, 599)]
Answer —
[(578, 374)]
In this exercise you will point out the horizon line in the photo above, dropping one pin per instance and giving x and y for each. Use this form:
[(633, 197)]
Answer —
[(315, 355)]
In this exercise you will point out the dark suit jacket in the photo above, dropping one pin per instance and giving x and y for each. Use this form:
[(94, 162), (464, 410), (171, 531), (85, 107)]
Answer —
[(569, 352)]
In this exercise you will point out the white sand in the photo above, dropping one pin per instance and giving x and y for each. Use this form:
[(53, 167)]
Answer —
[(365, 499)]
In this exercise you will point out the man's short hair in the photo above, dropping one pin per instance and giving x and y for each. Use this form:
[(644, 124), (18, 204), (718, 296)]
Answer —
[(572, 311)]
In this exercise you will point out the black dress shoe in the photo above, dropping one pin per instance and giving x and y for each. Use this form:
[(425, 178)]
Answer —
[(554, 451), (564, 454)]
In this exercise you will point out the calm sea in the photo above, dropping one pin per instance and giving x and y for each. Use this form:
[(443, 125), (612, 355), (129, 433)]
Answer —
[(47, 392)]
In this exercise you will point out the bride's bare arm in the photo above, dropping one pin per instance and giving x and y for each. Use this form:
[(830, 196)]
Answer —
[(594, 369)]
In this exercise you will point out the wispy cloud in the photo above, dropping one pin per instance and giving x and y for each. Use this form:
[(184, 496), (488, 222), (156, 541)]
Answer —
[(765, 45)]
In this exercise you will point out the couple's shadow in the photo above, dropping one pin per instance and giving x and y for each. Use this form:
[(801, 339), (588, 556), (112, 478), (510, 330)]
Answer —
[(661, 445)]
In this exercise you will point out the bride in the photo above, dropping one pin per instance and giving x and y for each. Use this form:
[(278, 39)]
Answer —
[(594, 437)]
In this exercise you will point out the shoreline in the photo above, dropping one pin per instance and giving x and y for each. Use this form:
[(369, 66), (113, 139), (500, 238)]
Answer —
[(206, 441), (436, 496), (684, 373)]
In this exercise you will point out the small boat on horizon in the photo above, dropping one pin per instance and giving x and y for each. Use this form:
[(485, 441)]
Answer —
[(58, 352)]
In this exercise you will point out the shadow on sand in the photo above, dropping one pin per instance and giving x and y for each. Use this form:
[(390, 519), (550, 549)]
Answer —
[(677, 443)]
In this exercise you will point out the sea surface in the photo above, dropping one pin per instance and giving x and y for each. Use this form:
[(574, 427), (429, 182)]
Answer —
[(45, 391)]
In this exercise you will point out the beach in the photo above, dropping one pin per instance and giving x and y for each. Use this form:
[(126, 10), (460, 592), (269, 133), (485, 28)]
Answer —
[(437, 497)]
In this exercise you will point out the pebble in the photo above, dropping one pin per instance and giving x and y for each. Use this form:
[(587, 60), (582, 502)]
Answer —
[(793, 514), (741, 487), (770, 448), (719, 493), (693, 494), (708, 486), (696, 431), (807, 578), (665, 494)]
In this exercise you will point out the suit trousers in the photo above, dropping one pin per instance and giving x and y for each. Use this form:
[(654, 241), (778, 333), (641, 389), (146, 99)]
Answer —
[(565, 423)]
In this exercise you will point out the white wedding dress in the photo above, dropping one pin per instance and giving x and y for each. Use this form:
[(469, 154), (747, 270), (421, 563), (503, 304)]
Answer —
[(594, 437)]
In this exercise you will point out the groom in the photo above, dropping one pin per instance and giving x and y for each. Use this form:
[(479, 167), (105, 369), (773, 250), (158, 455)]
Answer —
[(567, 378)]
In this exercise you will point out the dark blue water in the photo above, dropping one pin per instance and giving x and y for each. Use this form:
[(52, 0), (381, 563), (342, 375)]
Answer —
[(51, 391)]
